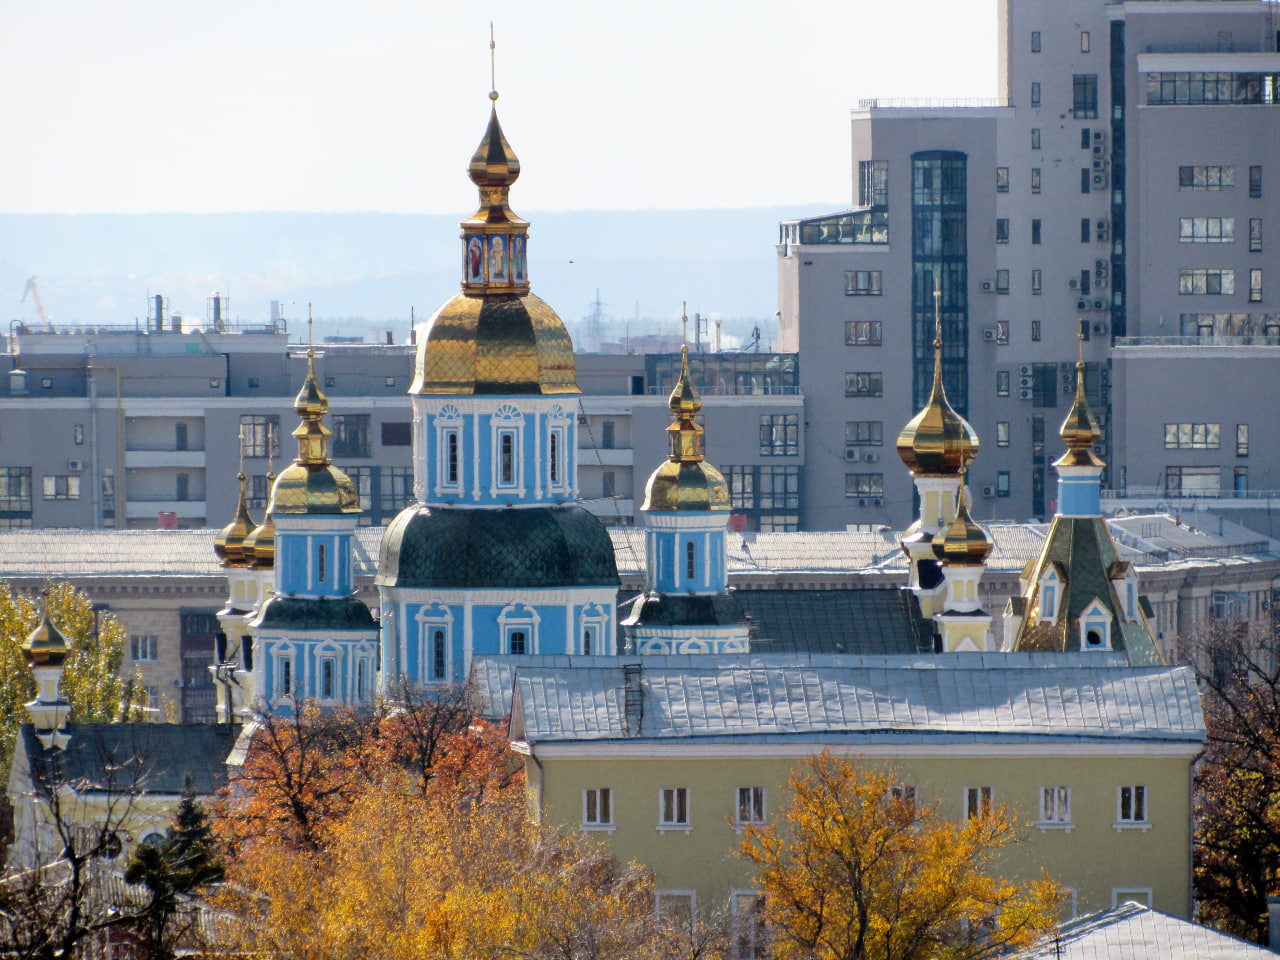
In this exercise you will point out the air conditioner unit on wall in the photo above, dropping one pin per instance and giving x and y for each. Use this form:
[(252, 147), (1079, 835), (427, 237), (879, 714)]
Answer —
[(1073, 283), (870, 457), (1099, 304), (1099, 328), (1104, 231), (1099, 136), (988, 491), (1024, 394), (1098, 149), (989, 334), (1099, 180), (257, 504), (852, 456), (75, 466), (988, 285), (1082, 304), (1025, 370)]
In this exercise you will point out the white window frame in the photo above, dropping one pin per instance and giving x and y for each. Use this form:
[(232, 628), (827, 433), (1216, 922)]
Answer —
[(604, 825), (1121, 895), (335, 687), (757, 802), (1131, 824), (559, 426), (506, 421), (1055, 808), (690, 896), (905, 793), (596, 619), (284, 658), (986, 797), (431, 617), (736, 921), (1050, 595), (1095, 617), (143, 644), (449, 422), (511, 619), (674, 825)]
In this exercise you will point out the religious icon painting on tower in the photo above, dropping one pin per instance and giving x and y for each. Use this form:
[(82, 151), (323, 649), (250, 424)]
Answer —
[(517, 259), (475, 260), (497, 259)]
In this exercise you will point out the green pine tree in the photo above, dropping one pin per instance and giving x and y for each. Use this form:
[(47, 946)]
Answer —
[(173, 871)]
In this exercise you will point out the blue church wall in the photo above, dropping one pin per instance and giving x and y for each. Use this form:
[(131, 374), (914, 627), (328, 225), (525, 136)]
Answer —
[(499, 456), (343, 681), (427, 641), (672, 552), (314, 563)]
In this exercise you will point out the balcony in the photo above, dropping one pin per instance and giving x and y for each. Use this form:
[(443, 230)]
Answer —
[(143, 455), (605, 456)]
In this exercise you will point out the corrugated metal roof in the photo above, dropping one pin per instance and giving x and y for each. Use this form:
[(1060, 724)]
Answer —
[(1133, 932), (992, 694)]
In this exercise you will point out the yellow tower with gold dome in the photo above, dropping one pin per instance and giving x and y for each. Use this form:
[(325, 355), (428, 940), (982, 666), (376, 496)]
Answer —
[(937, 445)]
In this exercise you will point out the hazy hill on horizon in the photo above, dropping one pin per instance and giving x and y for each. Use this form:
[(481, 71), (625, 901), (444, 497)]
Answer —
[(98, 269)]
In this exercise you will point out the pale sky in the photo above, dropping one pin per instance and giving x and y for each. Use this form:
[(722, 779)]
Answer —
[(321, 105)]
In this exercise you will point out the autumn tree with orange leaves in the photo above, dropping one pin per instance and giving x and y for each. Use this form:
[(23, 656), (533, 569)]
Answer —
[(853, 873), (406, 834)]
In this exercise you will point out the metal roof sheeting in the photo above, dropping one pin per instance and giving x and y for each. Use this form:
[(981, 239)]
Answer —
[(988, 694)]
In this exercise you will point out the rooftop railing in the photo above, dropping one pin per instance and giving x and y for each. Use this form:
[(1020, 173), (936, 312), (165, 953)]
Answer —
[(1254, 340), (931, 103)]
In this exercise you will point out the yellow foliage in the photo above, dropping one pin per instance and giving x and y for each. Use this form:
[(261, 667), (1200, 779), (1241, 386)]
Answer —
[(851, 873), (90, 680)]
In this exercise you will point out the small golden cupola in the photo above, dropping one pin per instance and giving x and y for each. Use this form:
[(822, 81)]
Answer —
[(46, 645), (229, 544), (685, 481), (962, 542), (495, 337), (1080, 431), (311, 484), (937, 441)]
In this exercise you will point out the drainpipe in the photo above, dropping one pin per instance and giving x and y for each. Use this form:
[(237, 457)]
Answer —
[(95, 491), (121, 512)]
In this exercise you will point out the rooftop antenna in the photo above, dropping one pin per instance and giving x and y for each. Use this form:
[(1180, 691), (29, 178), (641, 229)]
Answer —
[(684, 323)]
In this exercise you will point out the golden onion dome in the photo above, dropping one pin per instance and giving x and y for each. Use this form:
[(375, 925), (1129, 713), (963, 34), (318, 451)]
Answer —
[(685, 481), (937, 441), (494, 164), (304, 489), (1080, 431), (229, 544), (46, 645), (962, 542), (259, 547), (495, 345)]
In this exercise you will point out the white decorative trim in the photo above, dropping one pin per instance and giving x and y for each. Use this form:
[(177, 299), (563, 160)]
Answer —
[(673, 747), (510, 620), (1095, 615), (429, 619)]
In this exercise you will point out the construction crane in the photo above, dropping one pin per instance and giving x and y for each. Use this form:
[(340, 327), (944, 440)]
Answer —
[(34, 290)]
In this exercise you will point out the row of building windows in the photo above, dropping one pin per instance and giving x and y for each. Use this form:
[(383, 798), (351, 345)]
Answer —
[(1209, 87), (1002, 178), (1212, 281), (352, 436), (1217, 177), (1203, 436), (779, 435), (749, 806), (1085, 44)]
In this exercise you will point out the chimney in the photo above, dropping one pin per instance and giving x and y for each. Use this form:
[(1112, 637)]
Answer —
[(632, 698)]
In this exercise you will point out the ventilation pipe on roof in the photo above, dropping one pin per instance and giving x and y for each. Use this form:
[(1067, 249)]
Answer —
[(633, 698)]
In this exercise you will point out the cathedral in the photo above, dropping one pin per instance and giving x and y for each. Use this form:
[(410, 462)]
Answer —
[(496, 558)]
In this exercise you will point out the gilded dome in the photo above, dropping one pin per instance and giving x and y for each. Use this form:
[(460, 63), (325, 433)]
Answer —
[(46, 645), (686, 481), (312, 489), (259, 547), (685, 486), (495, 345), (1080, 431), (229, 544), (962, 542), (937, 441)]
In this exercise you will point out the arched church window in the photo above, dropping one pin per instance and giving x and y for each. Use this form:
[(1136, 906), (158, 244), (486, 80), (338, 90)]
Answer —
[(586, 642), (320, 570), (326, 677), (691, 560), (554, 448), (518, 644), (286, 678)]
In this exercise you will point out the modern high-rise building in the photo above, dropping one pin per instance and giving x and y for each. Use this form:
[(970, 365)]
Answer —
[(1123, 177)]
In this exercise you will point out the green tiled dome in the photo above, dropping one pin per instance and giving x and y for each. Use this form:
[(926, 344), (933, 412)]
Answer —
[(533, 547), (318, 613)]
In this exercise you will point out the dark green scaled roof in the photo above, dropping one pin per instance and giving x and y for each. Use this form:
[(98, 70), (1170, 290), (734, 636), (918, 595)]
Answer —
[(507, 548), (1085, 553), (304, 613), (881, 620), (658, 609)]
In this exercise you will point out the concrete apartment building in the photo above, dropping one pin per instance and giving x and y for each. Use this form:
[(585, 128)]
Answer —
[(1123, 178), (137, 427)]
